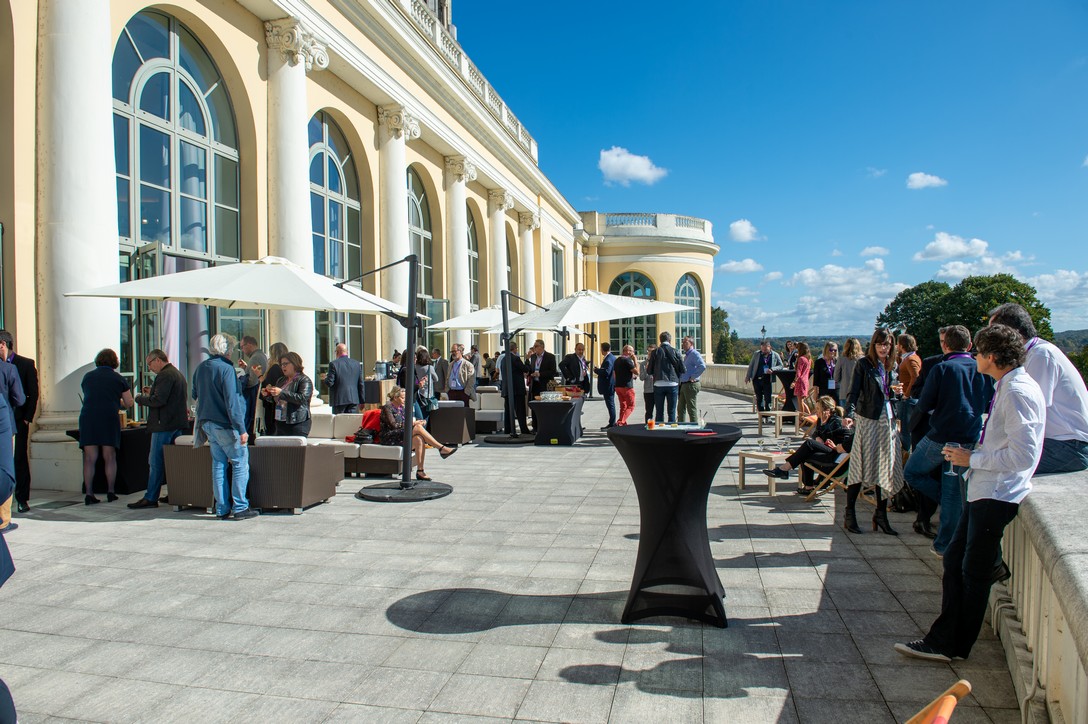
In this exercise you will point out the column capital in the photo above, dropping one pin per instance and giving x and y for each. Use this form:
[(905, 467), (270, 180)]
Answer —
[(530, 220), (500, 199), (296, 43), (460, 168), (399, 120)]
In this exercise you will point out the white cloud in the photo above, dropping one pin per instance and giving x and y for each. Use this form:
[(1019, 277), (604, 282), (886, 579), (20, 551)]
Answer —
[(983, 265), (950, 246), (772, 276), (919, 180), (621, 166), (743, 230), (873, 172), (875, 251), (1085, 164), (1064, 291), (744, 266), (836, 252)]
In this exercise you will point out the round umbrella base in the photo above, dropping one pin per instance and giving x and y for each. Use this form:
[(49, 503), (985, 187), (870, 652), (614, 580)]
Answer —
[(394, 493), (510, 439)]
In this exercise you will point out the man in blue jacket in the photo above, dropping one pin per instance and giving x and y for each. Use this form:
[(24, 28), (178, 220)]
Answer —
[(956, 395), (221, 422), (606, 384)]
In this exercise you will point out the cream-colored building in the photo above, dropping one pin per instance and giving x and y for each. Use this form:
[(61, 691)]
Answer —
[(139, 140)]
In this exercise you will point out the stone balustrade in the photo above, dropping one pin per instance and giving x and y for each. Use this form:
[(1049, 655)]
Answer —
[(451, 52), (1041, 614)]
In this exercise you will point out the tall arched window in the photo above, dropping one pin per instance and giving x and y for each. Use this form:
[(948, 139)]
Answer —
[(175, 143), (690, 323), (176, 158), (419, 231), (473, 261), (335, 215), (635, 331)]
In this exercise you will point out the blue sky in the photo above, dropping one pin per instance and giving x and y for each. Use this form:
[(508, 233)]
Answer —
[(843, 151)]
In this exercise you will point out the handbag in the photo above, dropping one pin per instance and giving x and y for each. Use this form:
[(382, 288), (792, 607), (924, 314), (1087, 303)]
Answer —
[(364, 436), (427, 404)]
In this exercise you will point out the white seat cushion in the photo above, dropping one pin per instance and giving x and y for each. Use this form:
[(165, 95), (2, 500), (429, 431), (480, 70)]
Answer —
[(491, 401), (322, 425), (489, 416), (346, 424), (381, 452), (281, 441), (487, 388), (450, 403), (351, 450), (184, 440)]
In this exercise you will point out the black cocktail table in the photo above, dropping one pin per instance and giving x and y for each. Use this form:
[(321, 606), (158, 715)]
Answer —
[(558, 423), (673, 471), (786, 377)]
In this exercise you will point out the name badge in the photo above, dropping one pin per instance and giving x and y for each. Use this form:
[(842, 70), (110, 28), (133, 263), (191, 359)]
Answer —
[(766, 370), (888, 410), (831, 384), (281, 411)]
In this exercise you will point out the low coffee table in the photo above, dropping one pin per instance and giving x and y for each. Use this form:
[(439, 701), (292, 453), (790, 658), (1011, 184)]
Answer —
[(771, 457)]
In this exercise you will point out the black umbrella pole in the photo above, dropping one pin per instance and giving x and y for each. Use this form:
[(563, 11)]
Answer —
[(409, 354)]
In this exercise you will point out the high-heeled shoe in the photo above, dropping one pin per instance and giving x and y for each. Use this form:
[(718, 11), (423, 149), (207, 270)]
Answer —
[(925, 528), (850, 522), (420, 475), (880, 521), (90, 500), (110, 497)]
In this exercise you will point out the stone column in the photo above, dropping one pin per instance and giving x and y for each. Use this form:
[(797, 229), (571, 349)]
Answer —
[(292, 50), (499, 201), (529, 222), (396, 126), (459, 171), (76, 222)]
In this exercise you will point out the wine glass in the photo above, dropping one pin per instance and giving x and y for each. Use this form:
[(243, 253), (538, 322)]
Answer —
[(952, 468), (760, 443)]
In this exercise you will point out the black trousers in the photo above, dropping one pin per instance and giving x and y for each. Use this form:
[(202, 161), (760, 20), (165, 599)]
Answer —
[(301, 429), (813, 452), (250, 396), (519, 413), (345, 409), (648, 398), (968, 575), (763, 387), (610, 405), (22, 461)]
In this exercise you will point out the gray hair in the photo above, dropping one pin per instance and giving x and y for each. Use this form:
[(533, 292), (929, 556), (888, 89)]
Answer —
[(219, 344)]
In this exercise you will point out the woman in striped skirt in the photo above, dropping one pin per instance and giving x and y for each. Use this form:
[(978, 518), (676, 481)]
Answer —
[(877, 457)]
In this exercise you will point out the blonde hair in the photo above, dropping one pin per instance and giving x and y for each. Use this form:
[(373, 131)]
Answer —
[(394, 392), (828, 403), (852, 348)]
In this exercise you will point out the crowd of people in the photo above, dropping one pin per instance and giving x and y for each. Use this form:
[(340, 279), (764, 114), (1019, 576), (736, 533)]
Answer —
[(973, 424)]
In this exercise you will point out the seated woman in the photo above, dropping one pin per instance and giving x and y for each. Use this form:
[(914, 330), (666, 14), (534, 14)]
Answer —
[(830, 439), (392, 432)]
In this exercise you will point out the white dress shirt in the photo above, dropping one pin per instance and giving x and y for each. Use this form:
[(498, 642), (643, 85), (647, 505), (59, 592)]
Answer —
[(1063, 389), (1002, 465)]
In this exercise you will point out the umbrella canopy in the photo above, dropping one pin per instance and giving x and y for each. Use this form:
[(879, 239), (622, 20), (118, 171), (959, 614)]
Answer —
[(589, 306), (268, 283), (490, 319)]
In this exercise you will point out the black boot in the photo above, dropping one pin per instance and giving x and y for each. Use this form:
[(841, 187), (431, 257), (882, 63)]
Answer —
[(849, 517), (880, 518)]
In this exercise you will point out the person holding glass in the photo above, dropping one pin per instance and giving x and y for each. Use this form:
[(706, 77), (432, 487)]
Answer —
[(956, 394), (292, 394), (823, 372), (105, 393), (877, 457)]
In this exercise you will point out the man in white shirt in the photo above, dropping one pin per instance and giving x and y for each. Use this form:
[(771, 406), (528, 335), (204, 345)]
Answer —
[(998, 479), (1065, 443)]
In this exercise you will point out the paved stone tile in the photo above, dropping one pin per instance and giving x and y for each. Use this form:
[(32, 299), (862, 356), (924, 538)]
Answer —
[(500, 601)]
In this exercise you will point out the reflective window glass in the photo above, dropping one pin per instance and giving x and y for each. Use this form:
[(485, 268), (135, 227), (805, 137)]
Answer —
[(120, 144), (196, 62), (194, 224), (155, 96), (154, 157), (194, 170), (151, 33), (190, 114), (154, 214), (125, 64)]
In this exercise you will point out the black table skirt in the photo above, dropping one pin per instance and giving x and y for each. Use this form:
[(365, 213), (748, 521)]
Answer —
[(673, 471), (787, 377), (558, 423), (131, 461)]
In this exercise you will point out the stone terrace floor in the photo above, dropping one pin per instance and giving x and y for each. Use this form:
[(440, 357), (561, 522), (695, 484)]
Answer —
[(501, 600)]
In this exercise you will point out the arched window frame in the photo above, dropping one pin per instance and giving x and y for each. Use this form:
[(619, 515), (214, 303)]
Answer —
[(331, 210), (636, 331), (690, 323), (473, 260), (419, 231)]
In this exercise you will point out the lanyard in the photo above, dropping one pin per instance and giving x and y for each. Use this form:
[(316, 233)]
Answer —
[(1034, 341), (957, 355), (884, 381)]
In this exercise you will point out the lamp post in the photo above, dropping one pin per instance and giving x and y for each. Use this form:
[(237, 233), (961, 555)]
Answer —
[(763, 333)]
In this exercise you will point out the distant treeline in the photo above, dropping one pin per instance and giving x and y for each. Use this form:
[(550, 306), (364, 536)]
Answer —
[(1071, 341)]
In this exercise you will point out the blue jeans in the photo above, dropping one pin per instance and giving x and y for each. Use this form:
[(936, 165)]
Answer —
[(904, 409), (1062, 456), (663, 395), (926, 458), (227, 447), (156, 467)]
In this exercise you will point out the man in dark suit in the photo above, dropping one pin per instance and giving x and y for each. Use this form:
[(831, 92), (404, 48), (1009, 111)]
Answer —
[(441, 368), (575, 368), (606, 383), (513, 382), (24, 415), (345, 382), (542, 369)]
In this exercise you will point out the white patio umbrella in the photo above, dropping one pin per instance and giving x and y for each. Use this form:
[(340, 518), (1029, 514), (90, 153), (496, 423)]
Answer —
[(489, 319), (589, 306), (268, 283)]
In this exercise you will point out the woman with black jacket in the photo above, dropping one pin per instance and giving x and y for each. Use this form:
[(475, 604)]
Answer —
[(877, 457), (292, 394), (828, 441)]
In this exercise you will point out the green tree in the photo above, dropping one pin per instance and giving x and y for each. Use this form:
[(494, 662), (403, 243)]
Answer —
[(719, 336), (969, 302), (742, 349), (918, 310), (1080, 361)]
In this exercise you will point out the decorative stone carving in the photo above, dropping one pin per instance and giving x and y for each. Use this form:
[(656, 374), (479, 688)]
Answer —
[(530, 219), (460, 169), (399, 121), (500, 199), (297, 44)]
